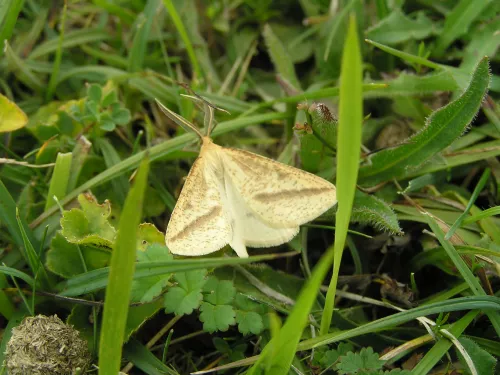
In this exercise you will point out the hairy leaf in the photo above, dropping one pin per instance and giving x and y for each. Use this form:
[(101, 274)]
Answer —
[(374, 211), (443, 127)]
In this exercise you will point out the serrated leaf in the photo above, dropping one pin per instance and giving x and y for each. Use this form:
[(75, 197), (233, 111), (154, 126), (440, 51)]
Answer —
[(443, 127), (146, 289), (371, 210), (483, 361), (354, 363), (185, 297), (398, 28), (11, 116), (89, 225), (216, 317), (218, 292), (249, 322)]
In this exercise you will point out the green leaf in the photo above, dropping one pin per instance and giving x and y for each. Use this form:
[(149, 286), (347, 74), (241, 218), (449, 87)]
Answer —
[(11, 116), (186, 297), (60, 179), (89, 225), (280, 57), (354, 363), (143, 25), (483, 361), (94, 93), (397, 28), (110, 98), (443, 127), (118, 292), (121, 116), (150, 238), (216, 317), (64, 258), (146, 289), (368, 209), (218, 292), (249, 322)]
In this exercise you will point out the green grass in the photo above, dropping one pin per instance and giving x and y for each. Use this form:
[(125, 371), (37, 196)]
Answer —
[(396, 103)]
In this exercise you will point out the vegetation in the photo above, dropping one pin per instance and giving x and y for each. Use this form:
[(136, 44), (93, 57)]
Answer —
[(400, 277)]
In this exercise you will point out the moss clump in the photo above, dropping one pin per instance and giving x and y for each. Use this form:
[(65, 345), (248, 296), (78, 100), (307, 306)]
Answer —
[(45, 345)]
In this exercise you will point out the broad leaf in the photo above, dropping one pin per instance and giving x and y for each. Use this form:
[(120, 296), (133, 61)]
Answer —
[(11, 116)]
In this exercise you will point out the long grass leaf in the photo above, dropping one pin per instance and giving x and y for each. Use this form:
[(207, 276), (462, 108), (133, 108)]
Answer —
[(464, 270), (9, 11), (98, 279), (9, 219), (348, 150), (143, 28), (479, 187), (458, 21), (176, 19), (120, 277)]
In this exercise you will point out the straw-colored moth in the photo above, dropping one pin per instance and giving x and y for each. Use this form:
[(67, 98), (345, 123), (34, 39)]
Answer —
[(239, 198)]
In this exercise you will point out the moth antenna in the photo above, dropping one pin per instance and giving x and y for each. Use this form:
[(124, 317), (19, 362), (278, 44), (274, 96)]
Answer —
[(197, 98), (181, 121), (209, 120)]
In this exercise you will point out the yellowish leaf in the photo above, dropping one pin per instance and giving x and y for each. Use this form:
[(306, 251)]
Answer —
[(11, 116)]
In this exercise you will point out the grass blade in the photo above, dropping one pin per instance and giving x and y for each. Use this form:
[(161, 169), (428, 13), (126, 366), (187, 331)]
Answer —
[(458, 21), (9, 11), (60, 179), (464, 270), (9, 219), (57, 59), (348, 146), (479, 187), (98, 279), (120, 277), (143, 28), (488, 303), (176, 19)]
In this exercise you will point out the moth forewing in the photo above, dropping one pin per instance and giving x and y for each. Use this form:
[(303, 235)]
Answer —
[(199, 224)]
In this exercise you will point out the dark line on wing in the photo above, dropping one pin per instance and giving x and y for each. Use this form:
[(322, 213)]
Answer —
[(288, 194), (199, 221)]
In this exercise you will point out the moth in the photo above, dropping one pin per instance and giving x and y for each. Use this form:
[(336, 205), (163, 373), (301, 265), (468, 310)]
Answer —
[(240, 198)]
